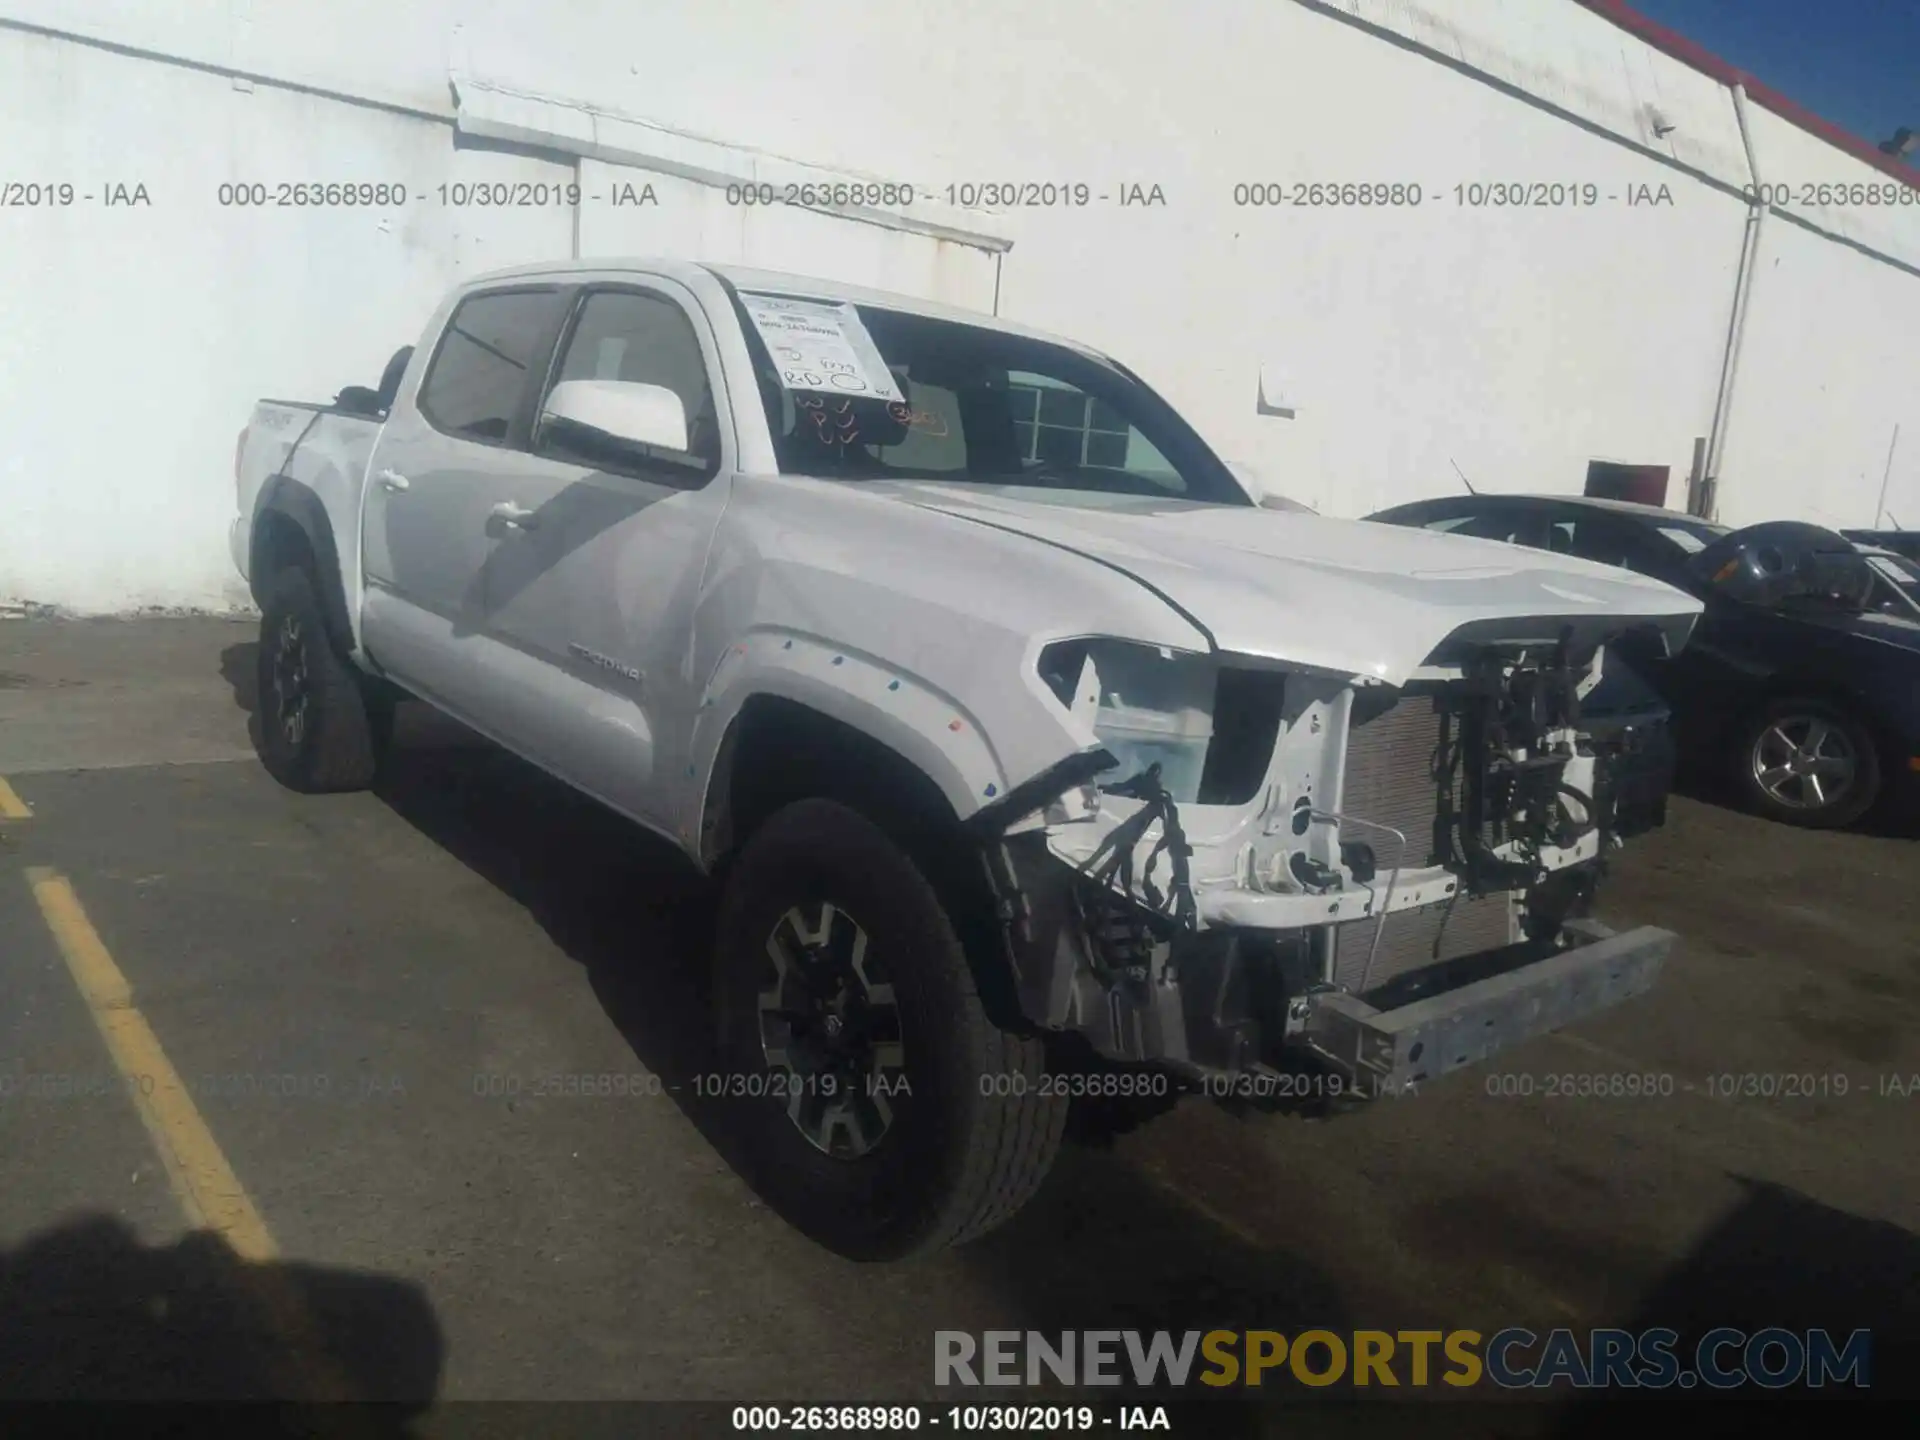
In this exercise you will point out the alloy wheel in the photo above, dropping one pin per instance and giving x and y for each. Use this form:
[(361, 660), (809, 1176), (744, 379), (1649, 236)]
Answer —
[(830, 1026), (1804, 762), (291, 689)]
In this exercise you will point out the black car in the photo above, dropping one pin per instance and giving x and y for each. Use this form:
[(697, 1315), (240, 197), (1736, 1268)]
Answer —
[(1802, 679), (1905, 543)]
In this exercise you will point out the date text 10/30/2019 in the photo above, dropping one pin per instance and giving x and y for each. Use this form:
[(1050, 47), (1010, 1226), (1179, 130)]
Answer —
[(899, 1419)]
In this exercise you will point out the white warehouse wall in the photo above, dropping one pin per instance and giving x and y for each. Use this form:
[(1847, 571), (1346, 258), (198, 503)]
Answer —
[(134, 339), (1517, 344)]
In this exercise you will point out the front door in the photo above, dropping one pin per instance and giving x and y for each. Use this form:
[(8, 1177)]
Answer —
[(598, 570)]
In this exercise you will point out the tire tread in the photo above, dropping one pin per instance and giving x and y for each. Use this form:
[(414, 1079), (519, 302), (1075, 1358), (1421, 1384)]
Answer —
[(1009, 1141), (344, 751)]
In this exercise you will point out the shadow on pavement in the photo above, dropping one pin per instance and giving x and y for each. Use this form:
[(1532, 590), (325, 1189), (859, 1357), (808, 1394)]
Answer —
[(89, 1313), (240, 668), (1779, 1259)]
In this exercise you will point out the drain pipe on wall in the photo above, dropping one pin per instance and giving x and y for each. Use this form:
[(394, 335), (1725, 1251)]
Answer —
[(1709, 500)]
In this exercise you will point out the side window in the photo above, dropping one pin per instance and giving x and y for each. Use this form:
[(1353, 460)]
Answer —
[(645, 339), (485, 362), (1504, 525), (1599, 538), (1659, 554)]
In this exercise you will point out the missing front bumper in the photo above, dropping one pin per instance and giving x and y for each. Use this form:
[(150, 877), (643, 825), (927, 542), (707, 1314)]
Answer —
[(1386, 1051)]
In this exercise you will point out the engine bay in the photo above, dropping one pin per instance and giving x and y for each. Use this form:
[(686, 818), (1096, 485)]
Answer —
[(1193, 910)]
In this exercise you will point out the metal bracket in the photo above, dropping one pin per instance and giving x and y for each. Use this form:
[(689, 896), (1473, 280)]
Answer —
[(1393, 878)]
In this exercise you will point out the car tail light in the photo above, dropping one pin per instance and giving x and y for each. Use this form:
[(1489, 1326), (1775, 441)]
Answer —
[(239, 453)]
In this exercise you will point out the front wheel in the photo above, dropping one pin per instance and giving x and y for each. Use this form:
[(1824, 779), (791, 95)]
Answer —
[(1808, 762), (878, 1109)]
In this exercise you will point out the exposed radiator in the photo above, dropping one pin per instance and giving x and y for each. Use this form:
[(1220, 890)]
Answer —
[(1390, 777), (1390, 781), (1477, 924)]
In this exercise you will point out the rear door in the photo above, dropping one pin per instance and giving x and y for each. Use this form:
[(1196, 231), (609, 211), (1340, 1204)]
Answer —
[(450, 450), (598, 578)]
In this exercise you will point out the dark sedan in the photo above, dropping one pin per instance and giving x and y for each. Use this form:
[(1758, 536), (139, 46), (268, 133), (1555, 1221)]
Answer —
[(1905, 543), (1802, 679)]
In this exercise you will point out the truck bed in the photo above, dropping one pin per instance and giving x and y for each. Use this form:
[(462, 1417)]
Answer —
[(324, 448)]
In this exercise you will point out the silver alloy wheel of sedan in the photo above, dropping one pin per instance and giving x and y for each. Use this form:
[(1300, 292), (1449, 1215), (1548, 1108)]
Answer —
[(1804, 762), (830, 1028)]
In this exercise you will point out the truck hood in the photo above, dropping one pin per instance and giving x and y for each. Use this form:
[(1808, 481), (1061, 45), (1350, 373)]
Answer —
[(1346, 596)]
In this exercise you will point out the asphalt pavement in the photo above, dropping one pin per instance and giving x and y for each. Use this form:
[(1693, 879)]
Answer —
[(357, 996)]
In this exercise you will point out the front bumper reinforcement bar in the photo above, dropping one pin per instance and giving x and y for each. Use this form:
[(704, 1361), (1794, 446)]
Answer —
[(1386, 1051)]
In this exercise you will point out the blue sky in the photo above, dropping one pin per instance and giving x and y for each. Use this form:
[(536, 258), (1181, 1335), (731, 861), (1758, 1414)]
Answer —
[(1854, 62)]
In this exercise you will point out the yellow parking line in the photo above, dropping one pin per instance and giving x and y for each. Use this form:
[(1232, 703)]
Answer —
[(12, 807), (203, 1182)]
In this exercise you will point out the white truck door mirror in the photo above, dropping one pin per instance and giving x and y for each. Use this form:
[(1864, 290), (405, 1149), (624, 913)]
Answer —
[(615, 415)]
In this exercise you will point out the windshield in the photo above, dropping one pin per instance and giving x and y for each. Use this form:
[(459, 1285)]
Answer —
[(857, 392), (1898, 592)]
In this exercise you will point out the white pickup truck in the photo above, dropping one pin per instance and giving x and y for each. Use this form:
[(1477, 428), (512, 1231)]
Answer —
[(1036, 756)]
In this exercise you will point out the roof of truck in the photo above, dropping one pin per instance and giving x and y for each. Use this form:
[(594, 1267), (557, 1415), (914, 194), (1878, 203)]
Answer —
[(806, 287)]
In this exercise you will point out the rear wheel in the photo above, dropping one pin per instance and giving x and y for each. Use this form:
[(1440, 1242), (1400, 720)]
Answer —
[(1808, 762), (320, 727), (878, 1109)]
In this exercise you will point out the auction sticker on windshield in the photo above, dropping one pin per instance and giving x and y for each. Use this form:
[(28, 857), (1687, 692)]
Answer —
[(820, 345)]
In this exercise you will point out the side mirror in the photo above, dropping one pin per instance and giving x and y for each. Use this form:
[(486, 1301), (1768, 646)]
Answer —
[(618, 421)]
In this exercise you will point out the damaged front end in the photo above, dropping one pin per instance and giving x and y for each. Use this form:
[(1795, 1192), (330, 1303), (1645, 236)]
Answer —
[(1277, 882)]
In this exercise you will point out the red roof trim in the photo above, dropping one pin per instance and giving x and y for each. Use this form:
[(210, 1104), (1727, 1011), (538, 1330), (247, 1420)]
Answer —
[(1672, 43)]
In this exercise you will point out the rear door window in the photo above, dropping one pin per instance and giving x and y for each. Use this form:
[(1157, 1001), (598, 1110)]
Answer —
[(484, 369)]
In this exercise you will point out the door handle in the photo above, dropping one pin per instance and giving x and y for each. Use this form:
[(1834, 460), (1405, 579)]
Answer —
[(518, 516), (394, 480)]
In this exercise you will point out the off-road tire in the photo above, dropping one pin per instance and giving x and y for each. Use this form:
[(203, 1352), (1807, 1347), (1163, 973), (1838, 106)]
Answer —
[(346, 727), (978, 1132), (1863, 790)]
